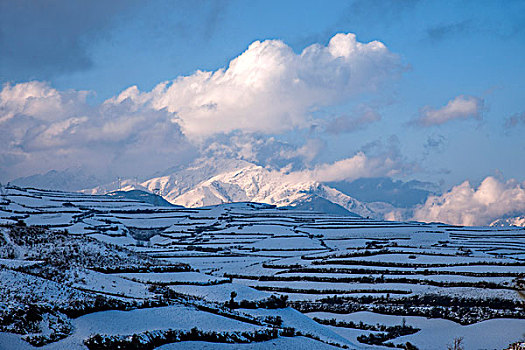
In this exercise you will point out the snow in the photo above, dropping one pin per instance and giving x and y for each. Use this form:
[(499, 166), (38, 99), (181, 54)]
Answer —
[(295, 319), (221, 292), (119, 240), (439, 333), (205, 184), (10, 341), (490, 334), (295, 343), (15, 263), (105, 283), (173, 277), (352, 334), (299, 243), (140, 320), (255, 241), (169, 317), (53, 220)]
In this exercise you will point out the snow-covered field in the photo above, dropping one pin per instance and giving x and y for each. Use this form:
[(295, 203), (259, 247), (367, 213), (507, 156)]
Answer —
[(124, 267)]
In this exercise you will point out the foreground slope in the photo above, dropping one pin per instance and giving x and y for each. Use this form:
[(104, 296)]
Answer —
[(247, 272)]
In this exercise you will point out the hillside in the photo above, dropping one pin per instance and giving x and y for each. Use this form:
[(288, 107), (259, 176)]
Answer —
[(102, 272)]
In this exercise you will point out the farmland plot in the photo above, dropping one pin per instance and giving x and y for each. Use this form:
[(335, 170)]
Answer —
[(94, 271)]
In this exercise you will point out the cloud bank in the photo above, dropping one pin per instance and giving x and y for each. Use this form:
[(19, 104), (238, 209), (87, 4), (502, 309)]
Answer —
[(266, 90), (460, 107), (355, 167), (42, 129), (269, 88), (466, 205)]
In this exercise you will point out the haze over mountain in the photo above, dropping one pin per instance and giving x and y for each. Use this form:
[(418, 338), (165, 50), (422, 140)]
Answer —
[(383, 189), (71, 179), (212, 181)]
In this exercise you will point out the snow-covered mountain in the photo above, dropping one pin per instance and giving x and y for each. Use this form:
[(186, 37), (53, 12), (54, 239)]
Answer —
[(518, 221), (211, 182), (72, 179)]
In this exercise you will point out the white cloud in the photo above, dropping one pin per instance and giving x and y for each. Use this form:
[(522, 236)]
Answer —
[(466, 205), (460, 107), (296, 161), (307, 152), (264, 150), (42, 129), (360, 165), (38, 100), (269, 88), (374, 160)]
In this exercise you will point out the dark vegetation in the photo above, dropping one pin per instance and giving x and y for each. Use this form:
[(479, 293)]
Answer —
[(272, 302), (61, 251), (153, 339), (330, 291), (413, 265), (386, 271), (387, 332), (374, 279), (462, 310)]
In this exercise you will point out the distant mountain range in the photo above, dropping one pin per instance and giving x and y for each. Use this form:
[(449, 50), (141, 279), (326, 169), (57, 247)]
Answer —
[(518, 220), (215, 181), (142, 196), (383, 189), (72, 179), (209, 182)]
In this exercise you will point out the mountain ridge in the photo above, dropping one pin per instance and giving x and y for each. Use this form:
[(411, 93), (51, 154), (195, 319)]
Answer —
[(243, 182), (212, 181)]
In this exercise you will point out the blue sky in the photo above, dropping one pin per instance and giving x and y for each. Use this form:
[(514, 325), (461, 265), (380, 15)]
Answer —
[(470, 52)]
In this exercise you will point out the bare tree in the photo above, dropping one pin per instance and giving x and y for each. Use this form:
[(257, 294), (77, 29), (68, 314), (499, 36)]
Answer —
[(457, 344)]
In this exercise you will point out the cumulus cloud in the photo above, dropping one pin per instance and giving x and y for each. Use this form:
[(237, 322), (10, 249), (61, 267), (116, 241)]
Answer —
[(263, 150), (460, 107), (376, 159), (269, 88), (467, 205), (355, 167), (306, 152), (266, 90), (42, 129)]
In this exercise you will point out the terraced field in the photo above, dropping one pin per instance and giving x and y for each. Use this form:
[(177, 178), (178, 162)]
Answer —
[(247, 272)]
